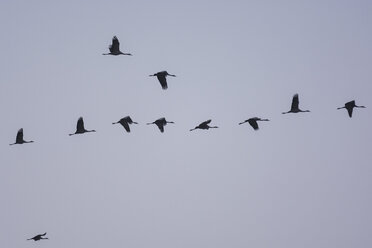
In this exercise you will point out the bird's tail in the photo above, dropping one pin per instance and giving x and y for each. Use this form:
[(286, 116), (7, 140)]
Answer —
[(340, 107)]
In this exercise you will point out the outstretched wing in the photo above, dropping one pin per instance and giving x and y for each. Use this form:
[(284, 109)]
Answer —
[(80, 125), (253, 123), (125, 125), (19, 138), (206, 122), (160, 126), (115, 45), (295, 102), (350, 111), (163, 81)]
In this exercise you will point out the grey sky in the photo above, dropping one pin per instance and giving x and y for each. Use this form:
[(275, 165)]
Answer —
[(302, 180)]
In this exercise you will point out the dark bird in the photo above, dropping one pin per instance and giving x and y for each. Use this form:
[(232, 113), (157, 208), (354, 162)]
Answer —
[(350, 106), (294, 107), (162, 77), (203, 125), (125, 122), (38, 237), (80, 127), (253, 122), (19, 138), (115, 48), (161, 123)]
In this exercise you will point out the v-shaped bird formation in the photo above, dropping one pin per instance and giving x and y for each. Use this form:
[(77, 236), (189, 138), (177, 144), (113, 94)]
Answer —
[(126, 122)]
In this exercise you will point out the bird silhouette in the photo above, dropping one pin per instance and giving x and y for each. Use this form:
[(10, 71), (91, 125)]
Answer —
[(19, 138), (125, 123), (349, 106), (115, 48), (161, 123), (80, 127), (253, 122), (162, 77), (38, 237), (204, 125), (294, 106)]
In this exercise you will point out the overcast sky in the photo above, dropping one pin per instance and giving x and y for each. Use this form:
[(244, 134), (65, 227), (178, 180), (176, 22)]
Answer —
[(302, 180)]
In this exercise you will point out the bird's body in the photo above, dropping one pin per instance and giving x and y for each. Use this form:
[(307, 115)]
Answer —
[(204, 125), (253, 122), (294, 106), (161, 123), (349, 106), (19, 138), (115, 48), (80, 127), (162, 77), (125, 123), (38, 237)]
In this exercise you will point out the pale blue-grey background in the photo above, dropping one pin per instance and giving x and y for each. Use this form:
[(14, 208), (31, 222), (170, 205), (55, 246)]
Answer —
[(302, 180)]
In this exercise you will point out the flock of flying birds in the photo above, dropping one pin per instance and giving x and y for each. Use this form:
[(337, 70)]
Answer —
[(161, 122)]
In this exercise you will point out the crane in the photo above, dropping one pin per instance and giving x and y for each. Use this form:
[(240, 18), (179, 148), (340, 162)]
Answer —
[(80, 127), (19, 138), (349, 106), (115, 48), (294, 106), (38, 237), (162, 77), (161, 123), (253, 122), (204, 125), (125, 123)]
